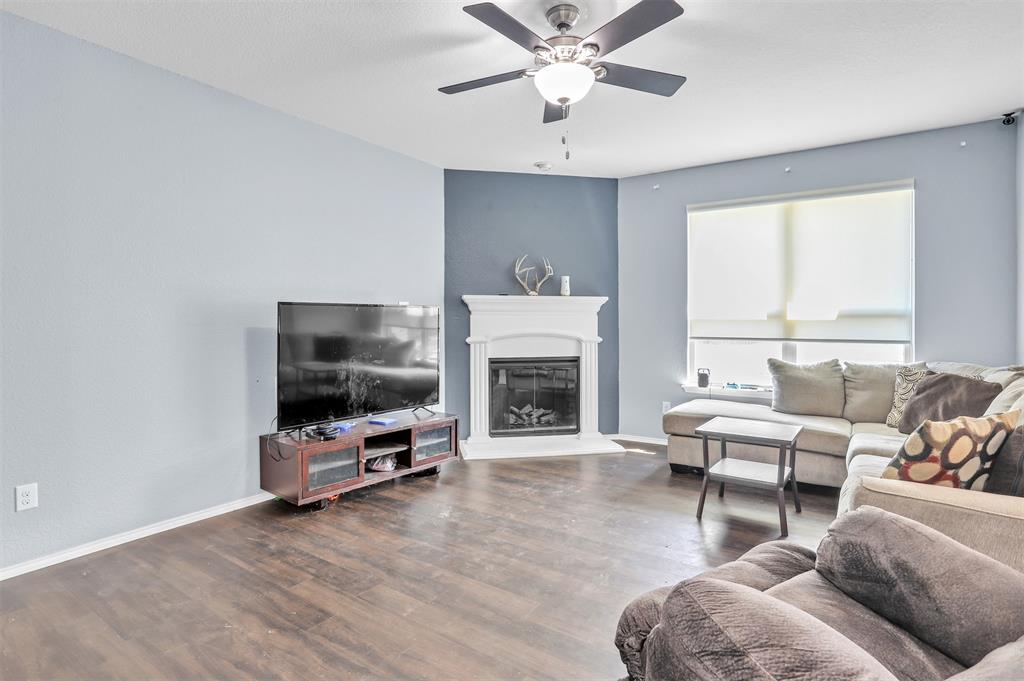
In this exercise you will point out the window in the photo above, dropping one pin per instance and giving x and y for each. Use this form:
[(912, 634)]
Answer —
[(803, 279)]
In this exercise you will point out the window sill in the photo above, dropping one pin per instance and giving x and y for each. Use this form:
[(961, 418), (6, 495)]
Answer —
[(718, 391)]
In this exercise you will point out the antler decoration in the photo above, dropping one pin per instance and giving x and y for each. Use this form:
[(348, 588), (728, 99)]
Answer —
[(524, 280), (548, 271), (523, 275)]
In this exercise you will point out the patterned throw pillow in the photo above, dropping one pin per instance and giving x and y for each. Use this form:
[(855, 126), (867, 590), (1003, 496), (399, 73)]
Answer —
[(956, 453), (907, 378)]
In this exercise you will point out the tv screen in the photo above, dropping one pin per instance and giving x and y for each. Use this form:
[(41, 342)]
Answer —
[(338, 361)]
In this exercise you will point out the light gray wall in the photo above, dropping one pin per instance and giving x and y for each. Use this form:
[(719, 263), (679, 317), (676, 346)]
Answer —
[(1020, 237), (965, 248), (150, 224), (490, 220)]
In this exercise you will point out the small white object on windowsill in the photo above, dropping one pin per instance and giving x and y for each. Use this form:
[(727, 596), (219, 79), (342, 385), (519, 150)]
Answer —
[(565, 285)]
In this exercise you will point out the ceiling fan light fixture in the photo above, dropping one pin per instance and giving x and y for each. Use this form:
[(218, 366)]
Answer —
[(564, 83)]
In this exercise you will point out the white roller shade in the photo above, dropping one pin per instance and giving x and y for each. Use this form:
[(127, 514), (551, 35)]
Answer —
[(834, 268)]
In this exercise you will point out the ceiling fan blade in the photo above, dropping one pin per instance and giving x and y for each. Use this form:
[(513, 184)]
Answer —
[(553, 112), (655, 82), (482, 82), (503, 22), (641, 18)]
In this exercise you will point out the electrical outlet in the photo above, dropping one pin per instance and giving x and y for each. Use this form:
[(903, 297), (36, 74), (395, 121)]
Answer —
[(665, 406), (26, 496)]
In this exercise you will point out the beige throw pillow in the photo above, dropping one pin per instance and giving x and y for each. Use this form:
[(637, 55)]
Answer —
[(907, 378), (869, 391), (814, 389), (1005, 400)]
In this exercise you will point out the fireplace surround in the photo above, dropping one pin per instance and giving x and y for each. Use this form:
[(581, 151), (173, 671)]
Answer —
[(557, 337)]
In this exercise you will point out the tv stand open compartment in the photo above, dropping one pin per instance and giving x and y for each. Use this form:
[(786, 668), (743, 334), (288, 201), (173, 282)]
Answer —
[(303, 470)]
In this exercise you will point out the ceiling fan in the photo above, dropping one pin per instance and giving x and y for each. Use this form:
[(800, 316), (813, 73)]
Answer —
[(566, 65)]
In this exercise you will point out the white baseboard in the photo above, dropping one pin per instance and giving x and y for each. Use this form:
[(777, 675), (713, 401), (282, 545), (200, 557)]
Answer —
[(644, 439), (130, 535)]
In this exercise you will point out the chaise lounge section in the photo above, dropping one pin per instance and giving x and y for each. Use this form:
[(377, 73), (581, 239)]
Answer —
[(821, 449)]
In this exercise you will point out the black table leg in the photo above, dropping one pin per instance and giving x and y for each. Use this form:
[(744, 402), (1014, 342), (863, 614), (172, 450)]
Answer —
[(780, 490), (792, 472), (721, 485), (707, 478), (782, 513)]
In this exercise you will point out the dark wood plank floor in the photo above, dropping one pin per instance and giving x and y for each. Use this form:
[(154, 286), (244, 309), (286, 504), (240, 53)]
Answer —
[(492, 570)]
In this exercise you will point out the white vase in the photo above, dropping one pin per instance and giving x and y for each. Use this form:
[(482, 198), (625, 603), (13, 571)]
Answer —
[(565, 285)]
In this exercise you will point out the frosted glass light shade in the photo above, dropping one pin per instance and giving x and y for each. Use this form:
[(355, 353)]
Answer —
[(564, 82)]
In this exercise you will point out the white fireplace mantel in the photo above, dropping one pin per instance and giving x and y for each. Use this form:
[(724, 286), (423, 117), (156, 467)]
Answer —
[(533, 326)]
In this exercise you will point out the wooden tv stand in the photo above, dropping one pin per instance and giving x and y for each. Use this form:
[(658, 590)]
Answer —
[(304, 470)]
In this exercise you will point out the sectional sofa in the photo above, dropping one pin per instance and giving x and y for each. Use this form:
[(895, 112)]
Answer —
[(882, 598), (851, 454)]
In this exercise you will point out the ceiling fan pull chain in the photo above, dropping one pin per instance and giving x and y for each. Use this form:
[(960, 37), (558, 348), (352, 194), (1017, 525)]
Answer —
[(565, 143)]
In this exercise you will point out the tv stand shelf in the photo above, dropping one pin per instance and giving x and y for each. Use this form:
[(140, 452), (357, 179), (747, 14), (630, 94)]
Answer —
[(304, 470), (373, 451)]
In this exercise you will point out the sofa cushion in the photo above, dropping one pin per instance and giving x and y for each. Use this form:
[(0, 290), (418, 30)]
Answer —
[(812, 389), (941, 397), (861, 466), (904, 655), (955, 453), (874, 439), (1004, 375), (868, 465), (907, 378), (961, 602), (713, 629), (869, 389), (821, 434), (879, 428)]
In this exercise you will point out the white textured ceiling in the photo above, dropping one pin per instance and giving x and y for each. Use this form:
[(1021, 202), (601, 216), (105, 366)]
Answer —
[(764, 76)]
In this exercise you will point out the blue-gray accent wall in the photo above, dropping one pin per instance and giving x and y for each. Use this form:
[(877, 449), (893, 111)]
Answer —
[(492, 218), (965, 248)]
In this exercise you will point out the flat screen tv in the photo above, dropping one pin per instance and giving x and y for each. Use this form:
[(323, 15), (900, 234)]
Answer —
[(340, 361)]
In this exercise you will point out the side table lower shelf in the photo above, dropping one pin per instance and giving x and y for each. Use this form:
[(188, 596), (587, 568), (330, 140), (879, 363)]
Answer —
[(750, 473)]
